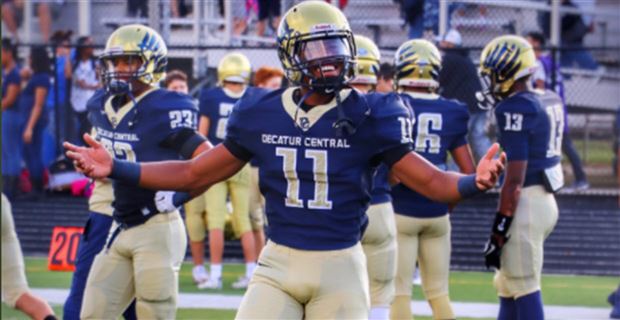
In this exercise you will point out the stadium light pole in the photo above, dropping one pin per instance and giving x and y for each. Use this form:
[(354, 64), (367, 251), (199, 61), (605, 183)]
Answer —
[(443, 17), (228, 22), (555, 38), (84, 18), (28, 10)]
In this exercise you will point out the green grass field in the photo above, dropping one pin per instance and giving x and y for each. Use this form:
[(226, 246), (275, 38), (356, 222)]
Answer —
[(464, 287)]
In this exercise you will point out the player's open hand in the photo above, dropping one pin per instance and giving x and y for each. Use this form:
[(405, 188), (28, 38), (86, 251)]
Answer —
[(94, 162), (489, 169)]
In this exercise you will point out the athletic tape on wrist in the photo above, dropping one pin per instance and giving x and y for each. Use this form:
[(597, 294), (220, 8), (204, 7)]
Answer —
[(467, 186), (126, 171)]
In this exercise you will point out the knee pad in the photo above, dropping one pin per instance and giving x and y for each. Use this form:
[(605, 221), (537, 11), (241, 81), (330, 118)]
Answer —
[(442, 309), (11, 294), (401, 308), (156, 285)]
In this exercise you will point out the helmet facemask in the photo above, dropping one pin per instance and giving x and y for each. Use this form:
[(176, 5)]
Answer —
[(119, 82), (325, 63)]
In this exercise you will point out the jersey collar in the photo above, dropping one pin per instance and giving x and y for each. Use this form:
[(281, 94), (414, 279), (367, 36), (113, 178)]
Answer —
[(116, 116), (305, 120), (234, 95)]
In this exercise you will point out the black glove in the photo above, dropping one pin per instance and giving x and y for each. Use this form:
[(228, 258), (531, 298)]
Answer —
[(493, 247)]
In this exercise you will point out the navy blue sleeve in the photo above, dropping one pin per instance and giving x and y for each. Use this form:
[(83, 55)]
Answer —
[(205, 103), (392, 127), (180, 115), (13, 77), (461, 119), (515, 119), (236, 134), (41, 80)]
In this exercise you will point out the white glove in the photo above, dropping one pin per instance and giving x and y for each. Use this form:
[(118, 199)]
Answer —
[(163, 201)]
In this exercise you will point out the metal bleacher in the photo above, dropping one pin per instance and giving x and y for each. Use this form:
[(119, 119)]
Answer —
[(585, 241)]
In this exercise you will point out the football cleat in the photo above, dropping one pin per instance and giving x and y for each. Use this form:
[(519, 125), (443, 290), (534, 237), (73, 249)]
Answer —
[(199, 274), (212, 283), (241, 283)]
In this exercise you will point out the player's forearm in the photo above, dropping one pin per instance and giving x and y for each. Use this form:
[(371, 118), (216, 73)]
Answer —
[(509, 197), (423, 177), (192, 176), (511, 190)]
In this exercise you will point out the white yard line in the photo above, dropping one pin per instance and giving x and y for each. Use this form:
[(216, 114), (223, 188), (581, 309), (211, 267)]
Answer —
[(420, 308)]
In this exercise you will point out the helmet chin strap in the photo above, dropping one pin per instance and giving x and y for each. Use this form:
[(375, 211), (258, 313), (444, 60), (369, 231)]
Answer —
[(344, 125), (119, 87)]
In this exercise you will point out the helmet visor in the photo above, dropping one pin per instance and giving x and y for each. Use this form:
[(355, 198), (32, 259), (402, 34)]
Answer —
[(324, 48)]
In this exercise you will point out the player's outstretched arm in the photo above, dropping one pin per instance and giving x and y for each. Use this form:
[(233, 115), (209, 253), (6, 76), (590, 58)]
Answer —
[(210, 167), (448, 187)]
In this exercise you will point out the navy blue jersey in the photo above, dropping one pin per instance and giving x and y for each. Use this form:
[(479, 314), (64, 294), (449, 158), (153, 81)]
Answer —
[(530, 127), (217, 104), (440, 126), (27, 97), (316, 182), (140, 132), (10, 78)]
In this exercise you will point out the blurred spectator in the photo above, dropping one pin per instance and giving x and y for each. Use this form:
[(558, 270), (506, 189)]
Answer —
[(11, 9), (57, 99), (543, 79), (341, 3), (138, 8), (179, 8), (385, 81), (431, 19), (268, 11), (458, 79), (84, 82), (176, 80), (269, 78), (12, 122), (31, 107), (573, 31), (413, 13)]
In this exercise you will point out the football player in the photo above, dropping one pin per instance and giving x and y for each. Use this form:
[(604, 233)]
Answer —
[(315, 144), (379, 240), (233, 74), (423, 225), (15, 291), (92, 242), (530, 128), (136, 121)]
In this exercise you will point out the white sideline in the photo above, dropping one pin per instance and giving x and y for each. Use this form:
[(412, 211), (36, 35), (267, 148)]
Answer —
[(420, 308)]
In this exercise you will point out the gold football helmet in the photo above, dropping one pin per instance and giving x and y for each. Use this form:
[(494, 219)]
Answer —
[(316, 46), (367, 60), (505, 60), (417, 64), (234, 67), (139, 42)]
